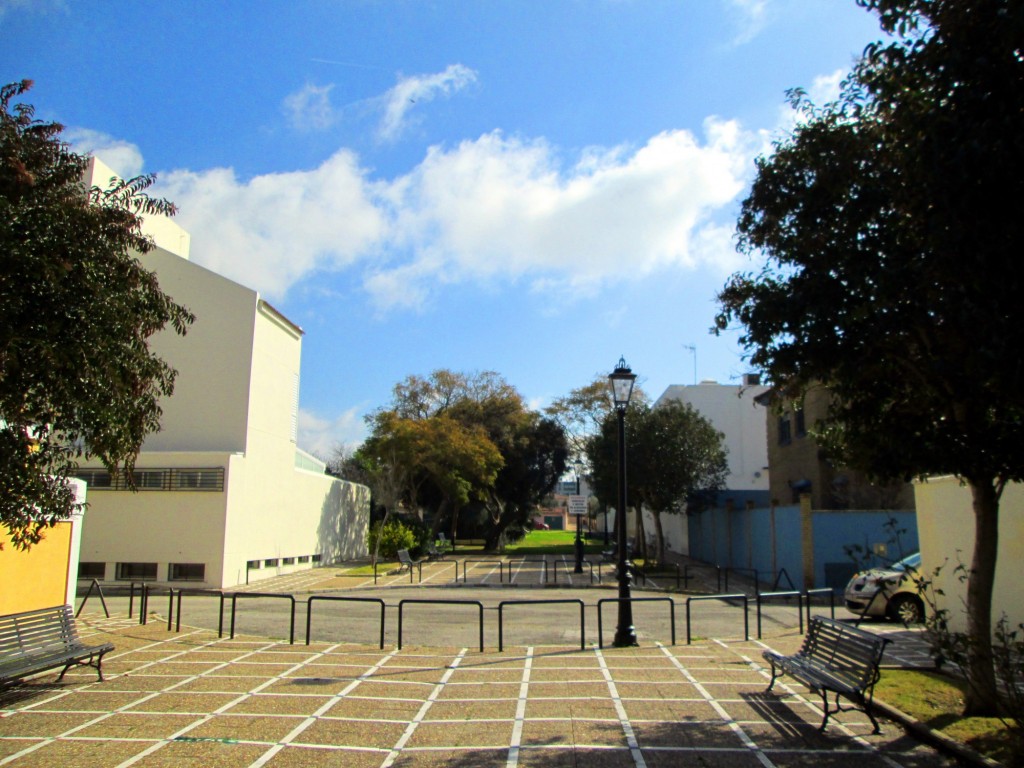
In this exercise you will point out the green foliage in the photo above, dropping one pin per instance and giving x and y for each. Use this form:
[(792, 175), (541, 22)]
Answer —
[(893, 277), (675, 460), (458, 439), (77, 310), (391, 536)]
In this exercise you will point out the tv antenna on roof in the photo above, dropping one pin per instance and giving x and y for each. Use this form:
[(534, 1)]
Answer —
[(693, 349)]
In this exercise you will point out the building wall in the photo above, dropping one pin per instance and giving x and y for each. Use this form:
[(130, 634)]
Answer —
[(809, 545), (162, 527), (210, 405), (800, 466), (946, 523), (734, 412), (44, 575)]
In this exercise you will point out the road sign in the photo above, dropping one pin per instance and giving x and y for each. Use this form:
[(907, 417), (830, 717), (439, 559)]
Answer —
[(577, 505)]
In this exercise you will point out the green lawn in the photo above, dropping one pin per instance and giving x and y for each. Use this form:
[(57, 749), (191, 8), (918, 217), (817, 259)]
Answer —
[(551, 543), (937, 700)]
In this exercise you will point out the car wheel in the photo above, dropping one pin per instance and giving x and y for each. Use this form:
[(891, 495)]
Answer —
[(906, 608)]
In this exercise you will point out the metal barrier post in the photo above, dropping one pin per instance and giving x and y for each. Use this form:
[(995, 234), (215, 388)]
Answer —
[(234, 601), (722, 598), (671, 607), (503, 603), (309, 611), (477, 603)]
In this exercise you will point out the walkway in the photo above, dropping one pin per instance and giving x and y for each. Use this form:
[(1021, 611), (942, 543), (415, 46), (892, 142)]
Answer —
[(194, 699)]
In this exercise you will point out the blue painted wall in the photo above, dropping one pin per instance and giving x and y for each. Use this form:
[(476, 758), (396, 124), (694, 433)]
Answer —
[(746, 538)]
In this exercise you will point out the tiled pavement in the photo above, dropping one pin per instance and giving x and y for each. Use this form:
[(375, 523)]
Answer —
[(194, 699)]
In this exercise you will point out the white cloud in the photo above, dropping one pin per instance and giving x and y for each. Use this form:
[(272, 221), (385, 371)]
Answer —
[(419, 89), (273, 230), (123, 157), (826, 87), (309, 109), (751, 16), (500, 208), (492, 210), (320, 435)]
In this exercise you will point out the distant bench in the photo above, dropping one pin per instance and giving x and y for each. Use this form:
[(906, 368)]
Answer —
[(835, 658), (405, 561), (35, 641)]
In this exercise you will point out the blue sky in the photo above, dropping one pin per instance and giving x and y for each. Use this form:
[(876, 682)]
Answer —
[(534, 187)]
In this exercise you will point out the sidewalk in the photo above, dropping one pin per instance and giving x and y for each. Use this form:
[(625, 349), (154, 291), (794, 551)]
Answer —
[(194, 699)]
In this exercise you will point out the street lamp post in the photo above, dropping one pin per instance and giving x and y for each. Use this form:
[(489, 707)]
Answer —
[(578, 513), (622, 380)]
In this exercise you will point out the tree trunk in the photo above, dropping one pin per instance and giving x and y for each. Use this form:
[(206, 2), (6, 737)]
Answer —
[(659, 533), (982, 697), (640, 548)]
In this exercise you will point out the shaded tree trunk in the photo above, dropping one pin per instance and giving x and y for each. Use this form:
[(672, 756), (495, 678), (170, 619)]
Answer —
[(982, 697), (660, 534)]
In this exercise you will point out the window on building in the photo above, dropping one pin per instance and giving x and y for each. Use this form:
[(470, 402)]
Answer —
[(197, 479), (303, 558), (186, 572), (316, 558), (136, 571), (96, 478), (92, 570), (288, 561), (253, 565), (270, 563), (150, 479), (801, 426), (785, 431)]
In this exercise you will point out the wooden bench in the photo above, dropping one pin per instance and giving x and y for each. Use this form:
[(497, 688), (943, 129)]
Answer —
[(835, 658), (35, 641), (405, 561)]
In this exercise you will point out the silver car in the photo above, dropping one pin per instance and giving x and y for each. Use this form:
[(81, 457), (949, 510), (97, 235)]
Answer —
[(887, 592)]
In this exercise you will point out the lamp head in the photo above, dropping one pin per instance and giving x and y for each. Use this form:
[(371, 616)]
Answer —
[(622, 380)]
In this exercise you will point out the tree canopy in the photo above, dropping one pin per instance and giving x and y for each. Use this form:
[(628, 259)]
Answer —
[(461, 439), (675, 461), (77, 379), (894, 269)]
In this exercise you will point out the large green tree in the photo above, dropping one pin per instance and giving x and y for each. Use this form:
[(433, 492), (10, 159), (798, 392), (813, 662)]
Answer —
[(675, 460), (462, 438), (77, 310), (894, 270)]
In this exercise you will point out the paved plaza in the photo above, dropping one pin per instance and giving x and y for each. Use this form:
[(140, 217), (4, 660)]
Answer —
[(191, 698)]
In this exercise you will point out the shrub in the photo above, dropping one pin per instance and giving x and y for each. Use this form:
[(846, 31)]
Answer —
[(393, 535)]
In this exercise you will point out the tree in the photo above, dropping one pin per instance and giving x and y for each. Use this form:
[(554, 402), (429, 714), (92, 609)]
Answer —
[(465, 438), (535, 458), (890, 225), (675, 458), (679, 461), (77, 310)]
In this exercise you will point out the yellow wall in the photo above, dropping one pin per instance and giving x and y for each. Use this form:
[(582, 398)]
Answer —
[(945, 524), (37, 578)]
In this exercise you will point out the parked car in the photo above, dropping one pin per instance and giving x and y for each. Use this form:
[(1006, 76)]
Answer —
[(893, 591)]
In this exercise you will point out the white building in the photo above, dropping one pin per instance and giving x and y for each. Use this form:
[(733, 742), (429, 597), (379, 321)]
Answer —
[(732, 410), (225, 495)]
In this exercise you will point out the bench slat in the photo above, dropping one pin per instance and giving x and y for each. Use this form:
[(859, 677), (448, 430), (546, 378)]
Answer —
[(836, 658), (35, 641)]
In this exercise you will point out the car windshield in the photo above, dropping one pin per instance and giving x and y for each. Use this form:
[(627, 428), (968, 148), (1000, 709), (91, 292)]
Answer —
[(912, 562)]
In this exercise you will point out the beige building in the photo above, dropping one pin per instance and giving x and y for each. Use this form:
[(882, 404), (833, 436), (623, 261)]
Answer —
[(799, 465), (225, 496), (945, 527)]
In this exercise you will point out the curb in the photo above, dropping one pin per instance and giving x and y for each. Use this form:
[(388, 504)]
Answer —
[(937, 739)]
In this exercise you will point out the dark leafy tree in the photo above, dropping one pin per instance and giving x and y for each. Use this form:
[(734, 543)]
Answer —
[(535, 458), (459, 438), (894, 274), (77, 310), (675, 459)]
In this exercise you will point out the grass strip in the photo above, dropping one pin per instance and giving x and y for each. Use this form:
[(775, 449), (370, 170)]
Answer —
[(937, 700)]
